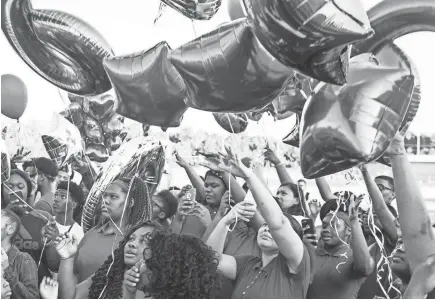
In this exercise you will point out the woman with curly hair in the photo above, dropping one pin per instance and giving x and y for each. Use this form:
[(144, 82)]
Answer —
[(150, 262)]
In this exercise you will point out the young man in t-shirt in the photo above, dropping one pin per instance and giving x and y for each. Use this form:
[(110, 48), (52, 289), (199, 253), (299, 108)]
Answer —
[(46, 180)]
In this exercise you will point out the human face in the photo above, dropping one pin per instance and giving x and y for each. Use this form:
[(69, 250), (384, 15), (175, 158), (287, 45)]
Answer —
[(5, 222), (113, 202), (6, 289), (63, 202), (386, 190), (214, 190), (285, 197), (158, 212), (62, 176), (334, 230), (399, 264), (15, 183), (265, 240), (367, 226), (137, 243)]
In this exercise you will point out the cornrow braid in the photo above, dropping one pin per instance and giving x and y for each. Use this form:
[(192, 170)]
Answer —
[(142, 209)]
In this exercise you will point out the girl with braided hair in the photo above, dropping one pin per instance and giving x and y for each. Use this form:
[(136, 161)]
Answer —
[(124, 202)]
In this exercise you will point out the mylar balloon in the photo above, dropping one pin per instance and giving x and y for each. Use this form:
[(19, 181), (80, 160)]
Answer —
[(5, 162), (195, 9), (114, 125), (93, 131), (149, 88), (97, 152), (100, 106), (292, 138), (254, 115), (14, 96), (61, 48), (343, 127), (74, 113), (233, 123), (140, 156), (61, 139), (227, 70), (310, 35), (236, 9), (113, 142)]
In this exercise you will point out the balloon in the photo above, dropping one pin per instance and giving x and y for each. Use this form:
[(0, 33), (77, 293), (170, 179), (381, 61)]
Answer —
[(292, 138), (100, 106), (97, 152), (149, 88), (254, 115), (14, 96), (237, 9), (310, 35), (145, 128), (61, 48), (61, 139), (74, 114), (5, 162), (93, 130), (343, 127), (113, 125), (113, 142), (233, 123), (227, 70), (140, 156), (194, 9)]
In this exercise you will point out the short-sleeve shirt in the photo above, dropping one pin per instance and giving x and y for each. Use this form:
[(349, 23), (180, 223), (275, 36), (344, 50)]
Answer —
[(242, 241), (335, 277), (93, 250), (274, 281), (45, 203)]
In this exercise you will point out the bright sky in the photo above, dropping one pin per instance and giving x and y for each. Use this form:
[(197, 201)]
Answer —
[(128, 26)]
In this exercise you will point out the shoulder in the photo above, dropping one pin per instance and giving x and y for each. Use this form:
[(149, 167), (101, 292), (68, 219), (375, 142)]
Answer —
[(41, 215), (25, 258), (243, 261)]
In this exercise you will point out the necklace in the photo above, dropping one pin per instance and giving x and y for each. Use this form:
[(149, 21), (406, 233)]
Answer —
[(249, 285)]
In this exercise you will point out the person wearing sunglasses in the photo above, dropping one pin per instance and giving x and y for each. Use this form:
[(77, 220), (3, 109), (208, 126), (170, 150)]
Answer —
[(386, 185)]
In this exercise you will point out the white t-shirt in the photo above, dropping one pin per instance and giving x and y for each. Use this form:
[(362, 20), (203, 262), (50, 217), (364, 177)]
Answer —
[(76, 231)]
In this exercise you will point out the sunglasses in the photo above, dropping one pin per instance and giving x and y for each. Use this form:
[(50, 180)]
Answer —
[(384, 188)]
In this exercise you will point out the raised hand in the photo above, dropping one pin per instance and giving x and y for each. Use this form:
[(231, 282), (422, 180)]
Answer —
[(132, 277), (202, 213), (243, 211), (50, 231), (20, 155), (66, 246), (271, 156), (185, 205), (354, 206), (397, 145), (181, 161), (48, 288)]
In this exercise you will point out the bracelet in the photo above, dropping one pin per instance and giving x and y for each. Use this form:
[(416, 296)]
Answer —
[(280, 164), (71, 257)]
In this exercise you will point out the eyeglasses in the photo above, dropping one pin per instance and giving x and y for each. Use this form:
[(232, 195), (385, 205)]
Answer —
[(384, 188)]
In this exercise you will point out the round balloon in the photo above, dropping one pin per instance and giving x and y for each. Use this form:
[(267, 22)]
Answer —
[(59, 47), (14, 96)]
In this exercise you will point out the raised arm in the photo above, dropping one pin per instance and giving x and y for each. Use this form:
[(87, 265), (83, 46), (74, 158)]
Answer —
[(418, 234), (194, 178), (284, 176), (379, 206), (67, 249)]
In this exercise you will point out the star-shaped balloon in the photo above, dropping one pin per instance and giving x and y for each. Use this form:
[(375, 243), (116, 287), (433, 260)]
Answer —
[(148, 87), (59, 47), (228, 70), (345, 126)]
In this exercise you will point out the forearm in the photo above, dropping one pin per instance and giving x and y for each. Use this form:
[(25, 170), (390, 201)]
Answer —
[(266, 204), (284, 176), (362, 260), (380, 207), (27, 288), (415, 223), (219, 216), (177, 224), (53, 258), (217, 238), (197, 183), (237, 192), (414, 291), (324, 189), (67, 280), (304, 204)]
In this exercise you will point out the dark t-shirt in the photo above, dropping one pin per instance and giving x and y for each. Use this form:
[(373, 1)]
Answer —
[(29, 240), (242, 241), (274, 281)]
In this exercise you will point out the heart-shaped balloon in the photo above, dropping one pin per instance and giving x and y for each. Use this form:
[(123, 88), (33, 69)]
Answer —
[(310, 35), (149, 88), (113, 142), (59, 47), (194, 9), (228, 70), (233, 123), (97, 152), (93, 131), (100, 106), (74, 113), (345, 126), (114, 125)]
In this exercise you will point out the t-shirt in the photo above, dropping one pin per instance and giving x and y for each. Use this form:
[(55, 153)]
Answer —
[(29, 239), (274, 281), (94, 249), (335, 277), (76, 231), (45, 203), (242, 241)]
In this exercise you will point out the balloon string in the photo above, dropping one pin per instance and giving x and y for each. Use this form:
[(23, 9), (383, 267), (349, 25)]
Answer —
[(42, 252), (25, 203), (229, 182)]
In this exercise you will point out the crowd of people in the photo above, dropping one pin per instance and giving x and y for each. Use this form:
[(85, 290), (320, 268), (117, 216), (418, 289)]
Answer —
[(216, 238)]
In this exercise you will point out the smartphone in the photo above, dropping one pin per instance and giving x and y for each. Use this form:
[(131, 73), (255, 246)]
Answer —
[(190, 196), (310, 224), (18, 195)]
